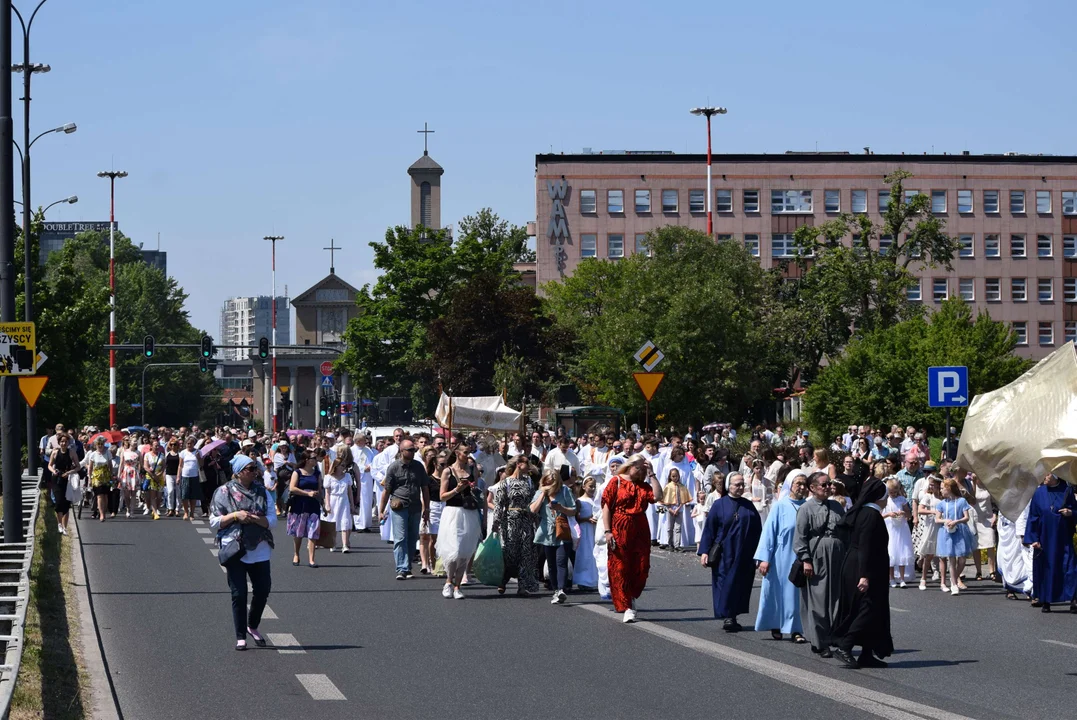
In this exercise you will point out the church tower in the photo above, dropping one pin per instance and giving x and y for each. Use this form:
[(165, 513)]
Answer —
[(426, 188)]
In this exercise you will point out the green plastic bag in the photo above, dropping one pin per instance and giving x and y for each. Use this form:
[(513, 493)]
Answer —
[(489, 563)]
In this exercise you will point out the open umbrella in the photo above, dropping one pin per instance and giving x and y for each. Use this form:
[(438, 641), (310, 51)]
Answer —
[(210, 447), (111, 437), (137, 428), (304, 433)]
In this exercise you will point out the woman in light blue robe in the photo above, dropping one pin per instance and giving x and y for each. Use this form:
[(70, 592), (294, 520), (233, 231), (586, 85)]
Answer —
[(779, 599)]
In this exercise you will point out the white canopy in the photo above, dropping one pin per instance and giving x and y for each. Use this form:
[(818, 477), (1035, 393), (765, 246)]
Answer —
[(1015, 435), (477, 413)]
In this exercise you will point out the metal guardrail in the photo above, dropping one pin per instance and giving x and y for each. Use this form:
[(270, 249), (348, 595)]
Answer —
[(15, 561)]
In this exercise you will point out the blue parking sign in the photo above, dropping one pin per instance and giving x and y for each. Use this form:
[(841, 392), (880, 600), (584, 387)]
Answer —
[(948, 386)]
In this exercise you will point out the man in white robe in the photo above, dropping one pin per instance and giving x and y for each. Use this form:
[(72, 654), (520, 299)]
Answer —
[(654, 457), (378, 468), (364, 455), (677, 459)]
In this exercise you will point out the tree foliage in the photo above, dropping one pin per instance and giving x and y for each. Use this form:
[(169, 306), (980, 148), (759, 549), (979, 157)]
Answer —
[(71, 308), (881, 377), (850, 288), (387, 344), (704, 304)]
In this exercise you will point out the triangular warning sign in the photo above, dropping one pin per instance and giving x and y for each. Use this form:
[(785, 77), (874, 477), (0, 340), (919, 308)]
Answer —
[(31, 386), (648, 383)]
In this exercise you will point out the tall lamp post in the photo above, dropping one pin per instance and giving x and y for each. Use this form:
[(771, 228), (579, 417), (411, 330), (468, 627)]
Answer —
[(112, 175), (273, 314), (709, 112)]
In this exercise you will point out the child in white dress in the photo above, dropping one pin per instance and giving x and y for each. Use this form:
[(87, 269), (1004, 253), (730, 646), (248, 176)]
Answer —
[(897, 513)]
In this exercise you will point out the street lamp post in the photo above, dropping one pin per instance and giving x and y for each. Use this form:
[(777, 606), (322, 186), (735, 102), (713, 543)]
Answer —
[(273, 313), (709, 112), (112, 175)]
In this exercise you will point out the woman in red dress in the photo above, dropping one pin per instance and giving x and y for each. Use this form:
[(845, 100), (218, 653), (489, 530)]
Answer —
[(624, 513)]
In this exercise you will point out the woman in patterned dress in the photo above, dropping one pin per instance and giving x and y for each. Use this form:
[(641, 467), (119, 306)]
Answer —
[(129, 472), (516, 523), (99, 466), (625, 500), (153, 464), (304, 506)]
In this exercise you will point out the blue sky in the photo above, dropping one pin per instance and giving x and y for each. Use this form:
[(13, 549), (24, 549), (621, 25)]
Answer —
[(240, 119)]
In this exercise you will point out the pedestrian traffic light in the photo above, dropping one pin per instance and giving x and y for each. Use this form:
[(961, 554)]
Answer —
[(263, 348), (203, 365), (147, 346), (207, 346)]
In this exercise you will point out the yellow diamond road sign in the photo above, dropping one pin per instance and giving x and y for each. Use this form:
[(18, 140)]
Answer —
[(649, 356), (18, 349)]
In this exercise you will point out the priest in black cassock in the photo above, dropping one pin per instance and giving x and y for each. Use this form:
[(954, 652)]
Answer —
[(864, 617)]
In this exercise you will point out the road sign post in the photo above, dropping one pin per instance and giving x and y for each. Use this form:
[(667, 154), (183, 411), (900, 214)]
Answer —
[(326, 368), (948, 387)]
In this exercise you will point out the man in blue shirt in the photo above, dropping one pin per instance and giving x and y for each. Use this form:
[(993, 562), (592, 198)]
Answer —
[(909, 475)]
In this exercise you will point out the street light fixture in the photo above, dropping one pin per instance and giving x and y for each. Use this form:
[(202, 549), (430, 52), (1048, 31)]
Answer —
[(111, 175), (709, 112)]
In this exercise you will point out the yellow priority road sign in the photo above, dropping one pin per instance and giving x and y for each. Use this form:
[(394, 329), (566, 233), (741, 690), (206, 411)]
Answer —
[(18, 349)]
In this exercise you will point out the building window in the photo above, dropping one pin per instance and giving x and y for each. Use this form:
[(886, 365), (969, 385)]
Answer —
[(751, 243), (1017, 202), (1071, 331), (782, 246), (1069, 289), (1045, 289), (912, 251), (1017, 246), (615, 246), (991, 202), (938, 201), (697, 201), (939, 289), (884, 201), (1044, 246), (724, 201), (964, 201), (992, 246), (1047, 333), (912, 293), (1043, 202), (669, 201), (588, 246), (790, 201), (1069, 246), (1020, 329), (1017, 290), (992, 290), (723, 237), (860, 201), (588, 201), (967, 246), (832, 201), (909, 195), (643, 201), (1069, 202), (641, 245), (615, 201), (885, 243), (751, 201), (966, 289)]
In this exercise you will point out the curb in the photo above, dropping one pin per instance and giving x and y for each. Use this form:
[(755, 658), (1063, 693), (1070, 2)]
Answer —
[(102, 702)]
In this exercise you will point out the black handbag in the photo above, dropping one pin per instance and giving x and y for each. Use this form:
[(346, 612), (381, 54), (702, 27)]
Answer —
[(234, 550), (714, 556)]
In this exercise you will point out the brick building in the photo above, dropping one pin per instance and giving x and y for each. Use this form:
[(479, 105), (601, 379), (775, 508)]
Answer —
[(1015, 216)]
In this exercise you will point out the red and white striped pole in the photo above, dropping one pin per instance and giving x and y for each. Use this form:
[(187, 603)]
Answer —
[(273, 312), (709, 112), (112, 175)]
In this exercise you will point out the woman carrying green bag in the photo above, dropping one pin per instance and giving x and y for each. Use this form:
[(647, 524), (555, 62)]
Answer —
[(515, 523)]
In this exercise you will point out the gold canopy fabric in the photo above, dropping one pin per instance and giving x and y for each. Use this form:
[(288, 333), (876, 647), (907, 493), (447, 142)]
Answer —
[(1015, 435)]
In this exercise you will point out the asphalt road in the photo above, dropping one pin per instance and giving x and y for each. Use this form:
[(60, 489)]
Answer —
[(363, 644)]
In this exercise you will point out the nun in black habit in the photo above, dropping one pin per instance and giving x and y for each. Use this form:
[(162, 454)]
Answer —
[(864, 617)]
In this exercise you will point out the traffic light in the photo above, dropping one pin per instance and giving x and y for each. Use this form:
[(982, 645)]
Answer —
[(147, 346), (203, 366), (207, 347), (324, 412), (263, 348)]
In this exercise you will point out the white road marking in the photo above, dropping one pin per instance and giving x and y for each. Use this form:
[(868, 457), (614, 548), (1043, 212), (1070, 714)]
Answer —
[(894, 609), (209, 540), (286, 643), (1059, 642), (320, 687), (204, 530), (880, 704), (268, 614)]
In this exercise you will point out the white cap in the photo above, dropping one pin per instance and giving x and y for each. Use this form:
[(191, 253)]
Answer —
[(251, 433)]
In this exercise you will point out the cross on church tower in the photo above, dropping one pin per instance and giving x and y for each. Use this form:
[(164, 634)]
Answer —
[(333, 247), (426, 136)]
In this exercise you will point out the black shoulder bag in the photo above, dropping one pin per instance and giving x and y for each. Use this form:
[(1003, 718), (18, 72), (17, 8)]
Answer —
[(796, 573)]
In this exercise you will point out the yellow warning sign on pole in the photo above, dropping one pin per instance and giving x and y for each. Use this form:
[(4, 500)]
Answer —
[(31, 386), (18, 351), (648, 383)]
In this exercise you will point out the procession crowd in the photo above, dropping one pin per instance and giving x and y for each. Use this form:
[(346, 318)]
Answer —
[(830, 530)]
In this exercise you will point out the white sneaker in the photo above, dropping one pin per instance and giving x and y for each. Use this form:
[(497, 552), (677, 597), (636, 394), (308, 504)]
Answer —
[(344, 549), (332, 549), (902, 584), (893, 583), (457, 595), (934, 574), (147, 510), (559, 598), (942, 586), (923, 585), (62, 531), (629, 616), (446, 591), (954, 590)]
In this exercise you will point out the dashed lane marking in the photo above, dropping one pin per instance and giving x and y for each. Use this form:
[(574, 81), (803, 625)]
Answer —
[(286, 644), (1059, 642), (320, 687)]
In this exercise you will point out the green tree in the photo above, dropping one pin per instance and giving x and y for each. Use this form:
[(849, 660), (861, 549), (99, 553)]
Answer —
[(881, 377), (387, 347), (702, 303), (846, 290)]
